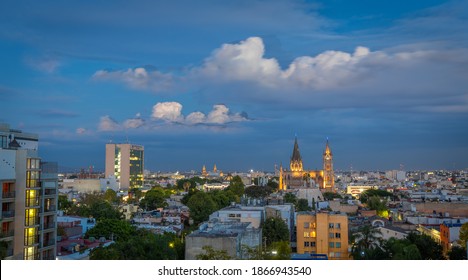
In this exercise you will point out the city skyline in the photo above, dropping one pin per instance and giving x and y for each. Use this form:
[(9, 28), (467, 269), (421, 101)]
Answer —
[(232, 83)]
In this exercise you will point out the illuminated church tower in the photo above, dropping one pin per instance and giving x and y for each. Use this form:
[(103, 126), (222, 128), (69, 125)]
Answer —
[(296, 160), (328, 175)]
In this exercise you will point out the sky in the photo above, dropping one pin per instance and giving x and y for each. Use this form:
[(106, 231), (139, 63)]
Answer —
[(232, 83)]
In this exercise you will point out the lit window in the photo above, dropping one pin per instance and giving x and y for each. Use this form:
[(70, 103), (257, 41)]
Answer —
[(313, 234), (306, 234)]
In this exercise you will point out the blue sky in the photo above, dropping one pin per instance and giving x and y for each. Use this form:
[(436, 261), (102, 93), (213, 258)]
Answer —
[(232, 82)]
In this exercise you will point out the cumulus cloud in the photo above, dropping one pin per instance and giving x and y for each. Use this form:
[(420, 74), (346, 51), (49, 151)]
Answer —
[(108, 124), (168, 111), (358, 78), (138, 78), (134, 122)]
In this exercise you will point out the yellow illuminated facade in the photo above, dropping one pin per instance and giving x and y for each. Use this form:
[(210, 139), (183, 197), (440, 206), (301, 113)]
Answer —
[(322, 233), (126, 163), (296, 177)]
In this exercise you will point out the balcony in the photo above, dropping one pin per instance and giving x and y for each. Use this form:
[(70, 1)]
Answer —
[(49, 242), (49, 225), (6, 234), (51, 208), (6, 195), (8, 214), (50, 192)]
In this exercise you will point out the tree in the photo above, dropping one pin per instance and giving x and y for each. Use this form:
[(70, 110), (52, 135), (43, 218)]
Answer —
[(279, 250), (273, 184), (142, 245), (201, 206), (302, 205), (367, 238), (258, 191), (374, 192), (428, 247), (104, 210), (464, 235), (220, 198), (154, 198), (375, 203), (236, 186), (212, 254), (457, 253), (112, 229), (111, 196), (331, 195), (290, 198), (64, 204), (274, 230)]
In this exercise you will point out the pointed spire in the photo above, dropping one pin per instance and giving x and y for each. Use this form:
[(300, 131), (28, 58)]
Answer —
[(296, 156), (327, 149)]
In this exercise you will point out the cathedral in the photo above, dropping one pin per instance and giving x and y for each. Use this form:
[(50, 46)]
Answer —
[(298, 178)]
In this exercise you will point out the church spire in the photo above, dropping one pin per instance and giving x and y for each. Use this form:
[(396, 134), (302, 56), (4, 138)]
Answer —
[(296, 159), (327, 149)]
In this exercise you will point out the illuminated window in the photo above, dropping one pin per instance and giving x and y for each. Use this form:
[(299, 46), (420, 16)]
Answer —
[(306, 234), (313, 234), (31, 217), (32, 179), (32, 198), (33, 163), (30, 253), (30, 236)]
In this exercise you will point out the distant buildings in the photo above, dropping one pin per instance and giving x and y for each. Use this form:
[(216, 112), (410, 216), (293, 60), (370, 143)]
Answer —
[(28, 197), (125, 162), (297, 177)]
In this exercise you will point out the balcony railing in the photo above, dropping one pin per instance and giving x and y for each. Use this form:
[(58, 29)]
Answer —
[(50, 192), (8, 214), (8, 233), (49, 225), (8, 194), (50, 242), (51, 208)]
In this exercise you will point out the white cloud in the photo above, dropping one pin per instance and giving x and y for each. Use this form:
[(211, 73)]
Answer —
[(81, 130), (168, 111), (108, 124), (138, 78), (134, 122), (195, 118), (47, 64)]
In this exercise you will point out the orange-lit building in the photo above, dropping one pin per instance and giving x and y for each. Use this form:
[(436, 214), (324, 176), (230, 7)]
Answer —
[(322, 233), (449, 233)]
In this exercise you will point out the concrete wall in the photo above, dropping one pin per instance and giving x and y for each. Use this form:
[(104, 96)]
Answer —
[(454, 209), (194, 245)]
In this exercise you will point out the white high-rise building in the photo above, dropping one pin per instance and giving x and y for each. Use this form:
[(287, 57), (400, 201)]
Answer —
[(125, 162)]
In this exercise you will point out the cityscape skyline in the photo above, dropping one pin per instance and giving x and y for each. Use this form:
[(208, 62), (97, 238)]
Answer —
[(231, 84)]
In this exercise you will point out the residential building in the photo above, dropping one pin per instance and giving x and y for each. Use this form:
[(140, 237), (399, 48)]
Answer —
[(28, 197), (449, 235), (230, 236), (322, 233), (125, 162)]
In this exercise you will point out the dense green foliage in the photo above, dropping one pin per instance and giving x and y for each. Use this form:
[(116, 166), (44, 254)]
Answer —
[(464, 235), (236, 186), (374, 192), (457, 253), (153, 199), (331, 195), (111, 229), (201, 206), (258, 191), (275, 230), (142, 245)]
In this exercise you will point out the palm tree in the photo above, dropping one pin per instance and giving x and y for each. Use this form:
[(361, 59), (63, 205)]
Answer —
[(367, 240)]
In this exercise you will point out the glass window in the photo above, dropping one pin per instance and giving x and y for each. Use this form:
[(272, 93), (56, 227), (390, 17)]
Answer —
[(331, 235), (306, 234), (306, 225), (31, 217), (30, 236), (313, 234), (330, 225), (32, 198), (338, 225), (312, 244), (307, 244), (331, 244), (338, 245), (337, 235)]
